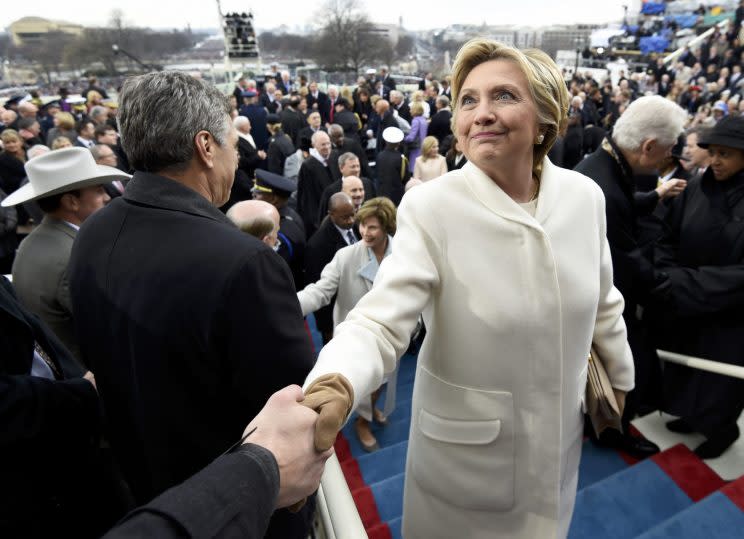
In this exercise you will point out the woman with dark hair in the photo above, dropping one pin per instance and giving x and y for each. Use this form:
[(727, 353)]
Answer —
[(703, 254)]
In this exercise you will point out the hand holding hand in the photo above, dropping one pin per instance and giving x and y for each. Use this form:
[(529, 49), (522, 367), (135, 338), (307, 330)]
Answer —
[(287, 429)]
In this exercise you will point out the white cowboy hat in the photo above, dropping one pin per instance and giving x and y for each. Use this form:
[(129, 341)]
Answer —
[(60, 171)]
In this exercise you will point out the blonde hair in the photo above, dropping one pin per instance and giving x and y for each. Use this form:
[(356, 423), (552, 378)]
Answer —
[(417, 108), (427, 145), (94, 98), (544, 80), (382, 208), (10, 135), (61, 142), (65, 121)]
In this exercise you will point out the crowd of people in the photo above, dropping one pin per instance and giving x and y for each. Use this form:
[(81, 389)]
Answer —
[(164, 252)]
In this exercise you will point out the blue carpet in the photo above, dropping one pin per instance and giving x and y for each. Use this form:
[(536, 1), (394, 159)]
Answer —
[(715, 517), (627, 503), (597, 463), (389, 497), (395, 526), (386, 462)]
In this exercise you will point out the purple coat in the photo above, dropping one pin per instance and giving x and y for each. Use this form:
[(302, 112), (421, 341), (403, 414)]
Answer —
[(417, 134)]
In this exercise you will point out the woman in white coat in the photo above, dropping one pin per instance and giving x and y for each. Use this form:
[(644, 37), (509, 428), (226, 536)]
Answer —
[(508, 261), (349, 276)]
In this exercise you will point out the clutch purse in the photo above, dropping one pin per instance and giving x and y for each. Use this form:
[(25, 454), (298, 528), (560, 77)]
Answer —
[(601, 404)]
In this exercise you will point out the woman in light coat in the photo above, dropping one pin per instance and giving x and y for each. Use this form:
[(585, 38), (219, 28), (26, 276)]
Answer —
[(349, 276), (508, 260)]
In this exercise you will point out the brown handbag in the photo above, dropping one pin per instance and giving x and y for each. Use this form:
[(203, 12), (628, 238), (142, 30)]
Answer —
[(600, 399)]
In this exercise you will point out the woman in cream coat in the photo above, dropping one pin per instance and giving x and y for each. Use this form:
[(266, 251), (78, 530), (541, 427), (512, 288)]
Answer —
[(349, 276), (508, 261)]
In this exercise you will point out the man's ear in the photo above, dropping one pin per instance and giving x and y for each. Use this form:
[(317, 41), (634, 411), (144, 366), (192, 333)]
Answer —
[(69, 202), (204, 148), (648, 145)]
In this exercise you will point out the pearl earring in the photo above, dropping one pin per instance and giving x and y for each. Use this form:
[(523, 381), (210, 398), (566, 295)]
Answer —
[(540, 138)]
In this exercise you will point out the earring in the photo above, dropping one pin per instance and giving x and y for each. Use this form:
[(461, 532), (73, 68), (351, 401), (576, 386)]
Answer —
[(540, 138)]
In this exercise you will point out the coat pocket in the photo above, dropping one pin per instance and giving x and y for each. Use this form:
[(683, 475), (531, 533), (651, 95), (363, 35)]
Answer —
[(462, 445)]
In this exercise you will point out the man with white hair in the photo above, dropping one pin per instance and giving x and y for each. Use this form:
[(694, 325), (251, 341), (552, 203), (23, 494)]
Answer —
[(642, 138), (257, 218), (316, 173), (398, 101), (332, 98), (250, 158)]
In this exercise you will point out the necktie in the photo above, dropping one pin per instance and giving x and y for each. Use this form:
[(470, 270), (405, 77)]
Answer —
[(350, 237), (333, 107)]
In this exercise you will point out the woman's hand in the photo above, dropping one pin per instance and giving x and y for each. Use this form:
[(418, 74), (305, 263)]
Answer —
[(671, 188)]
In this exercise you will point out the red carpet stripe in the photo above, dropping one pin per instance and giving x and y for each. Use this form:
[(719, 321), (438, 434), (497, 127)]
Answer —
[(692, 475), (379, 531), (735, 492), (365, 502)]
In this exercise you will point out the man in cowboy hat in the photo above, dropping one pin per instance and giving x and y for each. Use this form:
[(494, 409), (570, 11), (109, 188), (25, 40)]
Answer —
[(67, 185)]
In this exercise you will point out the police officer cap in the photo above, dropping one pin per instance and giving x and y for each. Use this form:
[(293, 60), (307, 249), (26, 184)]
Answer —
[(268, 182), (392, 135)]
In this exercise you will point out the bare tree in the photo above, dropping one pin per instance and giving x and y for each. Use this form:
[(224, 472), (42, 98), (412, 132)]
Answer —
[(345, 42)]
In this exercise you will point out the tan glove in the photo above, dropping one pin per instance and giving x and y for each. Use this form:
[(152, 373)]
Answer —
[(332, 397)]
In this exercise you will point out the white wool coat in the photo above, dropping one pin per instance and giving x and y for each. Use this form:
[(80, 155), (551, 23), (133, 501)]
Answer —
[(511, 304)]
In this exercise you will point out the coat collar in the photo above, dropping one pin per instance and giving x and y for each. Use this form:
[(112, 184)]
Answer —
[(369, 266), (494, 198), (60, 225), (161, 192)]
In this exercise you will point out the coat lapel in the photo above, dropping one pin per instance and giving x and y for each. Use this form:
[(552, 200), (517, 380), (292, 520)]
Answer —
[(491, 195)]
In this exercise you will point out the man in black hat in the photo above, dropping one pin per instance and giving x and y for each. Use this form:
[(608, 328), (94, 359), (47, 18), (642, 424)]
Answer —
[(346, 118), (276, 190)]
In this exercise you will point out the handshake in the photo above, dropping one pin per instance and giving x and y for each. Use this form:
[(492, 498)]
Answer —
[(300, 440)]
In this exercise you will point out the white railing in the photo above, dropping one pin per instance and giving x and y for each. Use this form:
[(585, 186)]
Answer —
[(694, 42), (703, 364), (336, 507)]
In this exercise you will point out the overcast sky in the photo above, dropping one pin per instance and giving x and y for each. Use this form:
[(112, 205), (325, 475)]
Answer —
[(417, 14)]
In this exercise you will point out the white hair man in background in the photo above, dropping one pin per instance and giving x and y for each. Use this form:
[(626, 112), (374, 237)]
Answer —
[(642, 139)]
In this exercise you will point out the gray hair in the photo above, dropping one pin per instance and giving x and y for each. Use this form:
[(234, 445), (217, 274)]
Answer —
[(95, 150), (97, 111), (335, 129), (36, 150), (344, 157), (161, 113), (240, 121), (649, 118), (317, 135), (443, 101)]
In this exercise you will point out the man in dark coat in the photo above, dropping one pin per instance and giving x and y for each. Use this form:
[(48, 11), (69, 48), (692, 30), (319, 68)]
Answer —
[(398, 101), (257, 115), (614, 167), (280, 145), (346, 118), (189, 323), (343, 144), (336, 231), (440, 122), (304, 137), (249, 159), (276, 190), (348, 165), (382, 108), (47, 398), (316, 173), (392, 167), (317, 100), (292, 119)]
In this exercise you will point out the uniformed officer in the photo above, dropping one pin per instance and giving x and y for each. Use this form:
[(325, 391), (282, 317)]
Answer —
[(276, 190)]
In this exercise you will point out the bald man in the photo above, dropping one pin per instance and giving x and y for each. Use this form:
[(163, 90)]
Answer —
[(336, 231), (353, 186), (257, 218)]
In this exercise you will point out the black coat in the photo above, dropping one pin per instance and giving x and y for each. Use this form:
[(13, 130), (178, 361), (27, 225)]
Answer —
[(294, 239), (392, 174), (323, 105), (257, 115), (440, 125), (49, 438), (348, 120), (321, 248), (404, 111), (633, 273), (304, 138), (292, 122), (351, 144), (311, 182), (280, 147), (189, 323), (335, 187), (249, 478), (702, 252), (12, 172)]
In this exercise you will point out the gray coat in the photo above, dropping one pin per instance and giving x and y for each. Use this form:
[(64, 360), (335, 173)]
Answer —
[(40, 277)]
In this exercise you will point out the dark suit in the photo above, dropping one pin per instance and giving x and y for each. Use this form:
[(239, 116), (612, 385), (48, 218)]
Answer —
[(369, 193), (249, 478), (404, 111), (49, 440), (324, 105), (387, 120), (294, 239), (351, 144), (320, 250), (244, 175), (280, 147), (392, 174), (347, 120), (304, 138), (257, 115), (440, 125), (311, 181), (292, 122), (41, 280), (190, 325)]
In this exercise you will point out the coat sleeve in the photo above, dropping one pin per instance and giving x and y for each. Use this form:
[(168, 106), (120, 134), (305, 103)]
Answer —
[(377, 331), (232, 497), (319, 294), (645, 202), (706, 289), (610, 336)]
